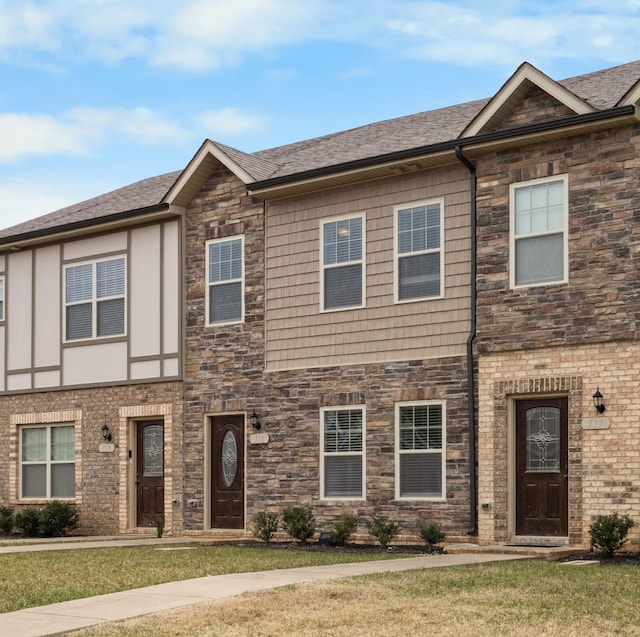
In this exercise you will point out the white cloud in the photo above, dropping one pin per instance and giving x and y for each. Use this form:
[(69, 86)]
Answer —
[(79, 131), (230, 121)]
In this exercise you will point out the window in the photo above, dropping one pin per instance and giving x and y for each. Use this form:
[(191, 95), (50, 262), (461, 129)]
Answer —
[(538, 232), (1, 298), (420, 445), (47, 462), (342, 453), (418, 251), (225, 280), (343, 268), (94, 298)]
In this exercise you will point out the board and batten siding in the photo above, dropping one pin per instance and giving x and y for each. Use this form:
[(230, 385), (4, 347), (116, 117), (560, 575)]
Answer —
[(34, 355), (299, 335)]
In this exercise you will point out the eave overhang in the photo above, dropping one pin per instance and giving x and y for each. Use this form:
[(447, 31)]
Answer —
[(440, 154)]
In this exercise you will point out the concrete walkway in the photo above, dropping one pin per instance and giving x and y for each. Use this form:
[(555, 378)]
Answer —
[(58, 619)]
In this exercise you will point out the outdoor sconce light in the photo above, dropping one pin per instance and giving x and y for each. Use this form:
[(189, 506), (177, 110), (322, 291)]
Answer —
[(598, 403), (255, 423), (106, 434)]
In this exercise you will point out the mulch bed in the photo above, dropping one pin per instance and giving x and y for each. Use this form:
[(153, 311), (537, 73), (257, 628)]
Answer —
[(622, 558)]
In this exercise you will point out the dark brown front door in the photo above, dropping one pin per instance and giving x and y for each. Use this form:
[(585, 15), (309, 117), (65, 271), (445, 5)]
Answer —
[(149, 472), (542, 467), (227, 472)]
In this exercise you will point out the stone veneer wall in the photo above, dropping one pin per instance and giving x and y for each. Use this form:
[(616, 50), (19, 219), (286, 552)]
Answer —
[(604, 464), (100, 500), (225, 373)]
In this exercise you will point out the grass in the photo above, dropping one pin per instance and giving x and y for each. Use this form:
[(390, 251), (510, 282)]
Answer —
[(40, 578), (510, 599)]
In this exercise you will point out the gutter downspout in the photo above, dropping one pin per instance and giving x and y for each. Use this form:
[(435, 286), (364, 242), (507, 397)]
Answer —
[(473, 477)]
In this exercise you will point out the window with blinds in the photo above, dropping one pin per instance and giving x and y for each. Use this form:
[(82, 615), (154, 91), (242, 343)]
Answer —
[(342, 263), (95, 299), (418, 251), (420, 450), (342, 453), (47, 462), (225, 281)]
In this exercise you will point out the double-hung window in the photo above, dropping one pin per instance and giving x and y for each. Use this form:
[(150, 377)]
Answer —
[(420, 450), (95, 299), (343, 264), (538, 232), (225, 280), (1, 298), (342, 453), (419, 255), (47, 462)]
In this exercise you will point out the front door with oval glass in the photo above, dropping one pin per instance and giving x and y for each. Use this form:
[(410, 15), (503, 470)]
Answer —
[(149, 472), (227, 472), (542, 467)]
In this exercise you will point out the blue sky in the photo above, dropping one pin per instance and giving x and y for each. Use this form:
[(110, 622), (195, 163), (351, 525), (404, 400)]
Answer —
[(97, 94)]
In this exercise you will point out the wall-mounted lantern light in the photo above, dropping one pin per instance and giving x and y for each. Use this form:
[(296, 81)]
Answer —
[(255, 423), (106, 434), (598, 401)]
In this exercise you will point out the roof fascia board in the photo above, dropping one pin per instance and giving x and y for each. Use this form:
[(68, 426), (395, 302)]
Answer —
[(118, 218), (526, 72), (485, 139), (631, 96), (207, 148)]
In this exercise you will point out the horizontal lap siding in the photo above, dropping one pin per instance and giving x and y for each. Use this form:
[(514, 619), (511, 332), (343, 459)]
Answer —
[(299, 335)]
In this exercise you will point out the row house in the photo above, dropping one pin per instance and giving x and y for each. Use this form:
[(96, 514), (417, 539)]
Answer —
[(412, 315)]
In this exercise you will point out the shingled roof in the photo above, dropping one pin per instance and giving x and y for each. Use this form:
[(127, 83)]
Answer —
[(601, 89)]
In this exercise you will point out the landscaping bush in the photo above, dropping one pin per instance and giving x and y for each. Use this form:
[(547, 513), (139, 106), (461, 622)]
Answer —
[(27, 521), (298, 522), (7, 519), (57, 518), (341, 532), (431, 534), (265, 525), (608, 533), (382, 529)]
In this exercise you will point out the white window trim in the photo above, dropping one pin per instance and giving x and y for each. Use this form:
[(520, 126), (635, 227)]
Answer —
[(94, 300), (363, 453), (397, 256), (3, 296), (47, 462), (512, 236), (362, 261), (209, 285), (442, 451)]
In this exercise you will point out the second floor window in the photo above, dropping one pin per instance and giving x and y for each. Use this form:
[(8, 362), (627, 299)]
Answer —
[(1, 298), (539, 232), (95, 299), (225, 280), (419, 251), (342, 282)]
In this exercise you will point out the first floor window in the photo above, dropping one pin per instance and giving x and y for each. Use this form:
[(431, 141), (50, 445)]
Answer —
[(420, 439), (418, 251), (539, 232), (95, 299), (342, 451), (1, 298), (225, 280), (47, 462)]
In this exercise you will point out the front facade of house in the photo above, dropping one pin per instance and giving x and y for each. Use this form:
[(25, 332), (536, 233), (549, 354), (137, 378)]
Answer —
[(413, 316)]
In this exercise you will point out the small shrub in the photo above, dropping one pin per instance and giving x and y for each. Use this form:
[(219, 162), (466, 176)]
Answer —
[(57, 518), (608, 533), (7, 519), (298, 522), (340, 534), (431, 534), (383, 530), (159, 526), (265, 525), (27, 521)]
